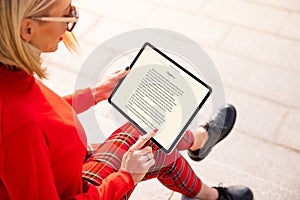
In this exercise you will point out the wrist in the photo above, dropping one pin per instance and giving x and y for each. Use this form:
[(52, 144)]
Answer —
[(135, 179), (97, 96), (93, 90)]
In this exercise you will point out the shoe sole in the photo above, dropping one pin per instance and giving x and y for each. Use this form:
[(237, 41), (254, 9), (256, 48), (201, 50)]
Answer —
[(205, 153)]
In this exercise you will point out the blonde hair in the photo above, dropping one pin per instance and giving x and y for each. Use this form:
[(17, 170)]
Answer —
[(14, 51)]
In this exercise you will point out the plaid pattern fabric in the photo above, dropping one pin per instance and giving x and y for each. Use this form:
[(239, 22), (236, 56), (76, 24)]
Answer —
[(171, 170)]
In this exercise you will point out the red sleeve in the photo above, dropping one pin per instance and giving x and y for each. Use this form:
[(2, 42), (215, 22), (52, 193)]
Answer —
[(115, 186), (25, 165), (26, 172), (81, 100)]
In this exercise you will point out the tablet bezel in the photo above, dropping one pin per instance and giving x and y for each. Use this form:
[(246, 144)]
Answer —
[(182, 131)]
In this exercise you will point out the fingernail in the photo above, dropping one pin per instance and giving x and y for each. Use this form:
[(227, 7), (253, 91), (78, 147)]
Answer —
[(127, 68), (155, 130)]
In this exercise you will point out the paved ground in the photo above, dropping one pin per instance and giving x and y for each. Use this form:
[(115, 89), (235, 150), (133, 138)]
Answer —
[(255, 45)]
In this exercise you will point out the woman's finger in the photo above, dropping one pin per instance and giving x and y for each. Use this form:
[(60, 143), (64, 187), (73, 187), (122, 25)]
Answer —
[(143, 151), (149, 163), (117, 75), (142, 141)]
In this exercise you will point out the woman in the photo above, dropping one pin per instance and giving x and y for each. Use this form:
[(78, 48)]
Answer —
[(43, 145)]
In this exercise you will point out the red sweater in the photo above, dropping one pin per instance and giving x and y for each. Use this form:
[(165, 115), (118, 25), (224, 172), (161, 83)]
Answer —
[(43, 145)]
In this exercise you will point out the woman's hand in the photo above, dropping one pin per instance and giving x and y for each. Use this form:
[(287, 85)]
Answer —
[(107, 85), (138, 160)]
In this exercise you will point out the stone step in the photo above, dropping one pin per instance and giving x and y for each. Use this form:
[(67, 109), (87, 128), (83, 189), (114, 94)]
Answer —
[(272, 173)]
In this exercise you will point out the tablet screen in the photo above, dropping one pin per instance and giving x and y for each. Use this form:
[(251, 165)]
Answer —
[(159, 94)]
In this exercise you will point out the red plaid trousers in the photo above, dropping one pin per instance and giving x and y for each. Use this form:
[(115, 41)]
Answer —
[(172, 170)]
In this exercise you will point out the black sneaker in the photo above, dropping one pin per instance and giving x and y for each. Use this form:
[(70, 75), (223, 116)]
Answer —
[(218, 127), (234, 193), (230, 193)]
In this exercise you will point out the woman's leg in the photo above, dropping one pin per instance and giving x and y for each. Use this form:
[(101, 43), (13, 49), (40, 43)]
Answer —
[(178, 176), (108, 156)]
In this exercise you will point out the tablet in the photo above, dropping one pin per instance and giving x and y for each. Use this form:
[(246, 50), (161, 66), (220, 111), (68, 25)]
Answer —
[(158, 93)]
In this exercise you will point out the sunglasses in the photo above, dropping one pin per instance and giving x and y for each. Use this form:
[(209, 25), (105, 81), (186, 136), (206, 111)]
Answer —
[(71, 19)]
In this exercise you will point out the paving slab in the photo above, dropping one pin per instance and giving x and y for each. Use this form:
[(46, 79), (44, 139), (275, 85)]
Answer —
[(258, 79), (246, 13), (256, 116), (188, 6), (289, 131), (64, 59), (129, 11), (87, 21), (234, 71), (291, 28), (290, 5), (277, 84), (193, 25), (105, 29), (275, 164), (263, 47)]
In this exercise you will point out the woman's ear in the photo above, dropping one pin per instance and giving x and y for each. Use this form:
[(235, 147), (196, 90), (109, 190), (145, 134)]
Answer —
[(27, 29)]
